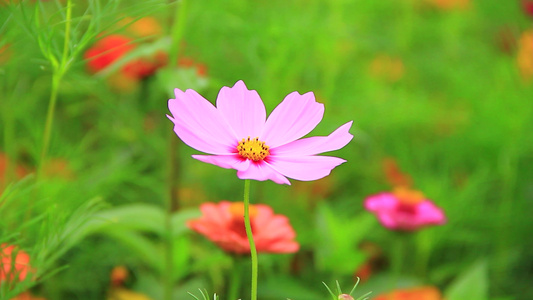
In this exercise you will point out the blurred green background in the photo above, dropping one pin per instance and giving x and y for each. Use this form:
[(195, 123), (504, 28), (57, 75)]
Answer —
[(443, 88)]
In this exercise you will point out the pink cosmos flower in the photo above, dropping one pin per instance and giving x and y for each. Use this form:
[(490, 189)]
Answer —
[(238, 135), (223, 224), (404, 210)]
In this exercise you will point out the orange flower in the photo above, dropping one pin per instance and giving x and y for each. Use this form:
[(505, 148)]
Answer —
[(144, 27), (14, 263), (450, 4), (20, 171), (223, 224), (525, 55), (387, 68), (417, 293), (394, 174), (119, 275)]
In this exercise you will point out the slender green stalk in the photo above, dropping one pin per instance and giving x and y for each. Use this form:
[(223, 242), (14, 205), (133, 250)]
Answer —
[(58, 72), (178, 30), (248, 226), (236, 278), (173, 150), (398, 256)]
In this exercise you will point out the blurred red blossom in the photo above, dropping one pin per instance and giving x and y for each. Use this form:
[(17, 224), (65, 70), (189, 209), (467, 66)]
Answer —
[(404, 209), (113, 47), (15, 263), (394, 174), (223, 224), (528, 7), (417, 293), (27, 296)]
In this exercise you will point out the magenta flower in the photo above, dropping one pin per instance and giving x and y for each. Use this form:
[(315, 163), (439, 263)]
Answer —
[(404, 210), (238, 136)]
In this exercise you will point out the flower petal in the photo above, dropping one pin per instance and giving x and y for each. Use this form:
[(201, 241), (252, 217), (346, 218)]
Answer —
[(429, 213), (199, 125), (262, 171), (242, 109), (305, 168), (225, 161), (317, 144), (293, 118)]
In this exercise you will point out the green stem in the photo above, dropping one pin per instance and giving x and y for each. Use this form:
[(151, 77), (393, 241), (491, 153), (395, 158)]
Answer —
[(248, 226), (58, 72), (236, 278), (56, 78), (398, 256), (177, 32), (173, 174)]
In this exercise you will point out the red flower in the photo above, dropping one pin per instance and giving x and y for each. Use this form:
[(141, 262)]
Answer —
[(418, 293), (223, 224), (107, 50), (113, 47), (528, 7), (14, 264)]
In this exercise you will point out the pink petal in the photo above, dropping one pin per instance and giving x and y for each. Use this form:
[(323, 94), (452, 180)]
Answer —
[(318, 144), (293, 118), (233, 161), (262, 171), (242, 109), (199, 125), (429, 213), (305, 168), (381, 202)]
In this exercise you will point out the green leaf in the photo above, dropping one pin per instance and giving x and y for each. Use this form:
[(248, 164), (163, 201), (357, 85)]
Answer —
[(471, 285), (141, 217)]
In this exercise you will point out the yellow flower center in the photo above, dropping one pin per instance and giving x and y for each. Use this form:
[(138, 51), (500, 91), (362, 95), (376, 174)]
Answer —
[(253, 149), (407, 196)]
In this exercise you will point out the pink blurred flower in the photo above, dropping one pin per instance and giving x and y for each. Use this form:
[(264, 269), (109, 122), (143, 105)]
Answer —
[(14, 263), (238, 135), (223, 224), (404, 209)]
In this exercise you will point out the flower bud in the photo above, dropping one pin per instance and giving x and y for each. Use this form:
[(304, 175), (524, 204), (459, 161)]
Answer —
[(345, 297)]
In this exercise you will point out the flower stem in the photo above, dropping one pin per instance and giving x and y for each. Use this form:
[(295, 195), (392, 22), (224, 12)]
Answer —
[(236, 278), (173, 173), (58, 72), (248, 227), (398, 256)]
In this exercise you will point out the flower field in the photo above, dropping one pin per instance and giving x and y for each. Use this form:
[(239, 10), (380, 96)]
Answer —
[(236, 149)]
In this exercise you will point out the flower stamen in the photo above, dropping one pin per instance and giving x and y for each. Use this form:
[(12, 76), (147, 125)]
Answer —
[(253, 149), (407, 196)]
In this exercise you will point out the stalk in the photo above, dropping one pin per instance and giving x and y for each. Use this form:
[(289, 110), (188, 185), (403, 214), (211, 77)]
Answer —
[(173, 150), (248, 227), (57, 75)]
